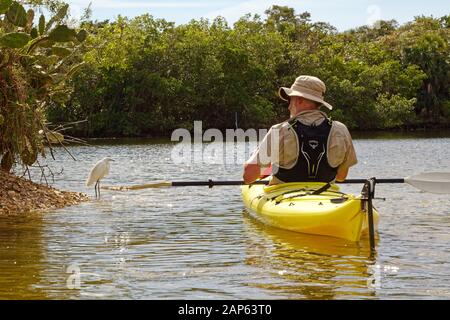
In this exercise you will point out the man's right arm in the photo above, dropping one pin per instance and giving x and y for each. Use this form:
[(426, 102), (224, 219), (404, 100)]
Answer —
[(252, 172), (342, 173), (258, 161)]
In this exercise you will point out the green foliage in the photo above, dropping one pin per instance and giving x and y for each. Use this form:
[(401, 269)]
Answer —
[(34, 70), (17, 15), (62, 34), (425, 43), (82, 35), (15, 40), (395, 111), (145, 76), (58, 17), (61, 51), (4, 5), (41, 24), (34, 33)]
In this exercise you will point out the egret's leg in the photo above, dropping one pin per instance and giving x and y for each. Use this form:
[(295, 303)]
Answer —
[(95, 188), (99, 189)]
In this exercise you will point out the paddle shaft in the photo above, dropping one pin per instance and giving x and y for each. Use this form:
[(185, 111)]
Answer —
[(211, 183)]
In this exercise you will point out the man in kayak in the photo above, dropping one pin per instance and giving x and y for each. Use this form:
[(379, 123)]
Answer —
[(308, 146)]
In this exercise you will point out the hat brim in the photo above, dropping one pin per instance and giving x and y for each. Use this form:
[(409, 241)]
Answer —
[(284, 94)]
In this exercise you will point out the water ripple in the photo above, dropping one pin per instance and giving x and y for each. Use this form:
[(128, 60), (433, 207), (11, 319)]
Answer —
[(198, 243)]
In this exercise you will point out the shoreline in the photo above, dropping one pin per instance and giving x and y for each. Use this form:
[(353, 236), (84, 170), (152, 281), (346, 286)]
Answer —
[(418, 130), (356, 134), (21, 196)]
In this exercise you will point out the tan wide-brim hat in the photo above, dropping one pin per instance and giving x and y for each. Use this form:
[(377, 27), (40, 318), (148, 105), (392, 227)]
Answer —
[(308, 87)]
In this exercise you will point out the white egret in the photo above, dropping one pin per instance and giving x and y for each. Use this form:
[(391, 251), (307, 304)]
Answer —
[(100, 170)]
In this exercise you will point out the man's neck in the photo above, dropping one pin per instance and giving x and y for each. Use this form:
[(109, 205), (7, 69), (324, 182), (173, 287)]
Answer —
[(309, 107), (304, 111)]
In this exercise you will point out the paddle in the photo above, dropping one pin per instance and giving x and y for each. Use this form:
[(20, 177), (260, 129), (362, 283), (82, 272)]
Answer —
[(433, 182)]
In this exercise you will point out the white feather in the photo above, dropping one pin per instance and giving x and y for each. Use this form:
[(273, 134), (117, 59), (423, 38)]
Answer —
[(99, 171)]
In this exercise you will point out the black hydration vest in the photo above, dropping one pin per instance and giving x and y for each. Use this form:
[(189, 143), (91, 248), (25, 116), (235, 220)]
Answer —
[(312, 161)]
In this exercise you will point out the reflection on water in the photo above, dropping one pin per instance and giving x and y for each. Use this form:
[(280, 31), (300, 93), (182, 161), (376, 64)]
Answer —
[(196, 243), (22, 257), (308, 266)]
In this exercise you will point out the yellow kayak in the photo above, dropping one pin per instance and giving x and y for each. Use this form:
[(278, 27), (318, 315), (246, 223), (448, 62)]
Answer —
[(294, 207)]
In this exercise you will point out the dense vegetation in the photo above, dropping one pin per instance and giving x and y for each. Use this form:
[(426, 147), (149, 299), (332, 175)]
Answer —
[(37, 56), (146, 76)]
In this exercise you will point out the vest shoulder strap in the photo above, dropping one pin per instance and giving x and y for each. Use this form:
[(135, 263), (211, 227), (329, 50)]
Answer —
[(293, 122)]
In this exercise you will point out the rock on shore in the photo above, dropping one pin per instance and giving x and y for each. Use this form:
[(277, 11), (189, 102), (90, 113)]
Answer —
[(18, 195)]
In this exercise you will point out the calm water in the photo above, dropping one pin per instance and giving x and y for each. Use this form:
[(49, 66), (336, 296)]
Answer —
[(198, 243)]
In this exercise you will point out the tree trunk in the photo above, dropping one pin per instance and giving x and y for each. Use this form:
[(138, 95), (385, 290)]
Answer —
[(7, 162)]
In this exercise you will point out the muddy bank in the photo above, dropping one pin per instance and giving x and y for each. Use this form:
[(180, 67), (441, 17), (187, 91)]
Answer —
[(19, 195)]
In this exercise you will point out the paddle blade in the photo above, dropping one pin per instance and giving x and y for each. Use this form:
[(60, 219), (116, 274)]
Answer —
[(156, 184), (433, 182)]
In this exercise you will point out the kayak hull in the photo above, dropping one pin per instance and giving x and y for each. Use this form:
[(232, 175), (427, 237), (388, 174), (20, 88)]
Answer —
[(291, 206)]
